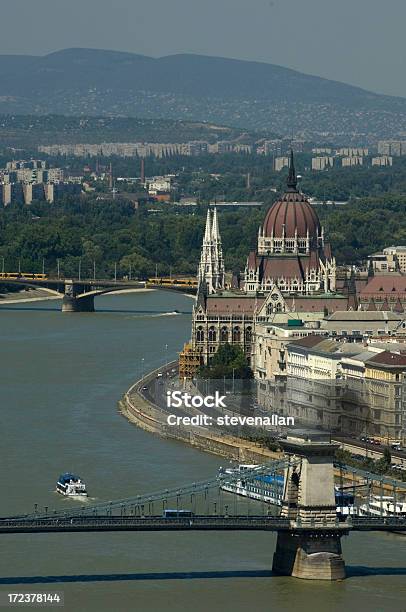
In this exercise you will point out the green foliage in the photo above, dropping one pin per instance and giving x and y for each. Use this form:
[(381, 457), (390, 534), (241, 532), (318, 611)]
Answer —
[(110, 232), (228, 362)]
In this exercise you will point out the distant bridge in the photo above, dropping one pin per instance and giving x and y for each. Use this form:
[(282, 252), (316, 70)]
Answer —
[(78, 294)]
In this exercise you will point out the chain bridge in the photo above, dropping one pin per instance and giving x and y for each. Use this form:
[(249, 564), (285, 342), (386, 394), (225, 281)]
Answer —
[(304, 513)]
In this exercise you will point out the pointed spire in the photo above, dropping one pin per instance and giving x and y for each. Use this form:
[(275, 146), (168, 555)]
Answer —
[(215, 228), (398, 306), (292, 180), (207, 233)]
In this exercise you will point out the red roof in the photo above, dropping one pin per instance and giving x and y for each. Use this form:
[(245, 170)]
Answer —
[(388, 359), (308, 341), (232, 305), (283, 267), (317, 304), (287, 266), (295, 213), (381, 285)]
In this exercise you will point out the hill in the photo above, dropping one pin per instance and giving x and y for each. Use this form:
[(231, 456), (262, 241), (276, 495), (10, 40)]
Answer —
[(246, 94)]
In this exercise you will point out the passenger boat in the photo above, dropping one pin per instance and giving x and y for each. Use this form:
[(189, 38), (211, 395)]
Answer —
[(71, 485), (269, 489), (383, 505)]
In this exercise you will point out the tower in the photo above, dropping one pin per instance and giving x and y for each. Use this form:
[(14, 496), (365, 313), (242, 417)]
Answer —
[(311, 549), (142, 171), (292, 251), (111, 176), (211, 267)]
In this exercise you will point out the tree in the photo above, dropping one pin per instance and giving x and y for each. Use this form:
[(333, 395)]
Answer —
[(228, 362)]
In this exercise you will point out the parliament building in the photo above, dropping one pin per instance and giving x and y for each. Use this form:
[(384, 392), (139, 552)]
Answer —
[(292, 274)]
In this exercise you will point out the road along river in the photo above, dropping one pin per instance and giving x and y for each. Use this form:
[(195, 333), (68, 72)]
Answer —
[(61, 377)]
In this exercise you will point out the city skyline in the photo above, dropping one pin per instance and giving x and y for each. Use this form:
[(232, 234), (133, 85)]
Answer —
[(361, 45)]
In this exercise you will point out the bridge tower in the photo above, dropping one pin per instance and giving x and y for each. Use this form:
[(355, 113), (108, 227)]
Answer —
[(311, 549)]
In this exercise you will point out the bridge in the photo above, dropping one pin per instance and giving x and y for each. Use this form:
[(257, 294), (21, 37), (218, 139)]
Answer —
[(304, 516), (193, 523), (78, 294)]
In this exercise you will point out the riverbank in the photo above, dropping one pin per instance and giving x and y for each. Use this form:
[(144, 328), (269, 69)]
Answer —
[(149, 417), (22, 297), (137, 409)]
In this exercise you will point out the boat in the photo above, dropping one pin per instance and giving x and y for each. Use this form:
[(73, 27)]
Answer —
[(269, 489), (71, 485), (383, 505), (265, 488)]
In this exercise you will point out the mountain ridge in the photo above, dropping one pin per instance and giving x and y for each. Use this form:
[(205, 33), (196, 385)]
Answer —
[(181, 86)]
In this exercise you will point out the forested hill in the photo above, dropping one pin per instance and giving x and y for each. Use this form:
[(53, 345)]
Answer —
[(243, 93)]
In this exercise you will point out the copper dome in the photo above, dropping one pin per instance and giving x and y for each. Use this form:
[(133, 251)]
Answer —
[(295, 213)]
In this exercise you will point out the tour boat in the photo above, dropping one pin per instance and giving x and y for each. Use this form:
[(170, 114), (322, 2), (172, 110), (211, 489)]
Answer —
[(269, 489), (265, 488), (71, 486), (383, 505)]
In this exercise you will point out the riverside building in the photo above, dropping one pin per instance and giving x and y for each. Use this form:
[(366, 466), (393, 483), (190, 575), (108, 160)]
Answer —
[(292, 273)]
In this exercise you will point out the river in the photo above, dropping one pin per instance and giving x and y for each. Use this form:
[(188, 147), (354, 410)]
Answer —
[(61, 376)]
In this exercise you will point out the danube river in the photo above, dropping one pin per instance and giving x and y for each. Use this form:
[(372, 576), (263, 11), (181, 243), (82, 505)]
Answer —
[(61, 377)]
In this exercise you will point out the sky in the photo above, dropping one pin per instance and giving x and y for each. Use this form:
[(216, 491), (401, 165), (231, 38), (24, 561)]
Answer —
[(361, 42)]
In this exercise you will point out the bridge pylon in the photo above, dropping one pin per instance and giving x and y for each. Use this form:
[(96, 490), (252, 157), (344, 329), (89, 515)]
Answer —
[(71, 303), (311, 549)]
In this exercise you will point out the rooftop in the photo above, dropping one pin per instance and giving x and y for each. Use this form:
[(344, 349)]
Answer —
[(364, 315)]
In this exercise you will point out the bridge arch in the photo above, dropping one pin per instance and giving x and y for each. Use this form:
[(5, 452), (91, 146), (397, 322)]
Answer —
[(27, 283)]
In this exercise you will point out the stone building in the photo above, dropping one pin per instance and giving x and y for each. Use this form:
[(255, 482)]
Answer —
[(384, 293), (343, 388), (292, 273), (292, 252)]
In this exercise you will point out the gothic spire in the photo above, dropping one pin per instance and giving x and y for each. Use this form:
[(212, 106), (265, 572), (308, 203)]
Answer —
[(207, 233), (215, 228), (292, 180)]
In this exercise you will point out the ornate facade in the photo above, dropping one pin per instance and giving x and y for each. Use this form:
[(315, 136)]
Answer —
[(292, 273), (211, 267), (292, 252)]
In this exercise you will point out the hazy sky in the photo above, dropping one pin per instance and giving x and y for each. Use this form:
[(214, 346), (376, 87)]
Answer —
[(357, 41)]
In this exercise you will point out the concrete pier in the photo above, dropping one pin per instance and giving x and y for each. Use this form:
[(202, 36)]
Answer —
[(312, 548), (81, 304), (309, 555)]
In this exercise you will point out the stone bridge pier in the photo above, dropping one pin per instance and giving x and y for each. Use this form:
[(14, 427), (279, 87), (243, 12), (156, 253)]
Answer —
[(311, 549), (75, 298)]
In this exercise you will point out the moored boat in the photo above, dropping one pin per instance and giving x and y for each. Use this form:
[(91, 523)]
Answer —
[(269, 489)]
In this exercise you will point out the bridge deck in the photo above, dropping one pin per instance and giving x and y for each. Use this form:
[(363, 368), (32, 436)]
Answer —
[(194, 523)]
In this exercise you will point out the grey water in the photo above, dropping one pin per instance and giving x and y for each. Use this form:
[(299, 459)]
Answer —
[(61, 376)]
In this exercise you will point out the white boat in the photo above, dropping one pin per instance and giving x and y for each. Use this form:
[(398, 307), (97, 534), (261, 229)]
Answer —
[(269, 489), (71, 486), (383, 505)]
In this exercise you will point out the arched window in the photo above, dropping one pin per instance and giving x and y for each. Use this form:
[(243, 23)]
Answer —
[(248, 334), (279, 307), (212, 334), (200, 334), (269, 309), (236, 334), (224, 334)]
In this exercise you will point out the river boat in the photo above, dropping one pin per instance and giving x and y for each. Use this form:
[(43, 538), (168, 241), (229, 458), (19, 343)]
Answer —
[(71, 485), (383, 505), (269, 489)]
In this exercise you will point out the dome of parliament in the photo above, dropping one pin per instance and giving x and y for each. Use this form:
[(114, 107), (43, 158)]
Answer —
[(292, 213)]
